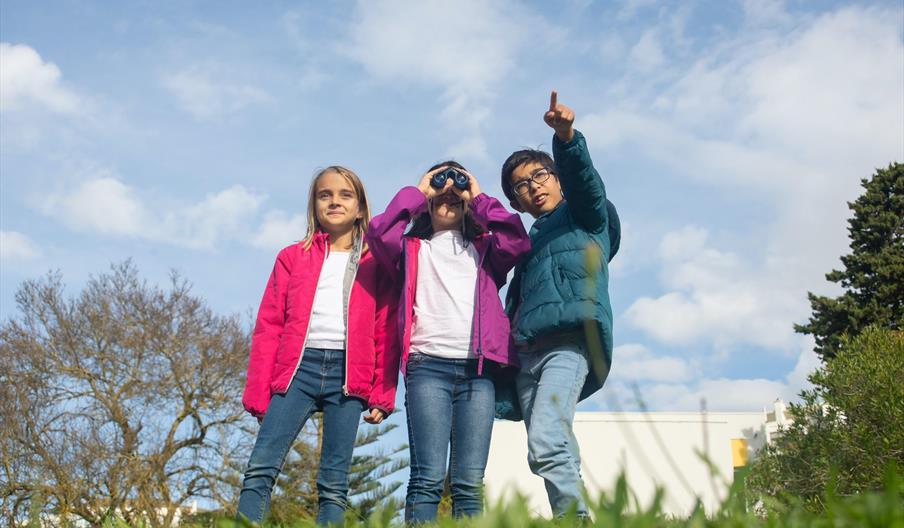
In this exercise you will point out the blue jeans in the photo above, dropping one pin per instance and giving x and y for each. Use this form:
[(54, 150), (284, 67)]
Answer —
[(447, 403), (317, 386), (549, 384)]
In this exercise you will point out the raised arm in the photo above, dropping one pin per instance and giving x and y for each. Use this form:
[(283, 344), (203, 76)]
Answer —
[(384, 234), (580, 181), (509, 242)]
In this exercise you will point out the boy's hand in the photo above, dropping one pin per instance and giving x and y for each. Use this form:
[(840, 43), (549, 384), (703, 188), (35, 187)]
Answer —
[(473, 188), (560, 118), (376, 416)]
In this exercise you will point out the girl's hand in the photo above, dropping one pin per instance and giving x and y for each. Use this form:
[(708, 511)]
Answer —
[(560, 118), (473, 188), (430, 191), (375, 417)]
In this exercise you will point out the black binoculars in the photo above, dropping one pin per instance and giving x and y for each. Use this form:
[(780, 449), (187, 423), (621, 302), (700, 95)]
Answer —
[(459, 179)]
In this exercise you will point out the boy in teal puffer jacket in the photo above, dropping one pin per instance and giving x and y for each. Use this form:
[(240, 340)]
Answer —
[(558, 301)]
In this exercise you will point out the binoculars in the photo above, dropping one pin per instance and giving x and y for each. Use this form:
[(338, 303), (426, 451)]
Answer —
[(459, 179)]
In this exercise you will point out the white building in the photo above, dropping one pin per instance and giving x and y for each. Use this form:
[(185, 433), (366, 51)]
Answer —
[(659, 449)]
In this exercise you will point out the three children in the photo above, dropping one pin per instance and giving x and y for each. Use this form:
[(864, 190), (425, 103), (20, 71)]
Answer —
[(417, 288)]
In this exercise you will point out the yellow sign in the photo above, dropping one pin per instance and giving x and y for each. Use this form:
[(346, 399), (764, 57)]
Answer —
[(739, 452)]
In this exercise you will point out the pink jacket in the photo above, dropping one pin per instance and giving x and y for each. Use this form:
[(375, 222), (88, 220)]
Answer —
[(372, 352), (505, 243)]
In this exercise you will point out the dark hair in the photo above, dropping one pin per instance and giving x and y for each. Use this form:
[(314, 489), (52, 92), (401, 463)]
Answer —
[(422, 227), (519, 158)]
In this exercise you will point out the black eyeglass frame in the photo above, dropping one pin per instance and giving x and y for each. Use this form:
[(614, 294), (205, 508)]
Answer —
[(533, 178)]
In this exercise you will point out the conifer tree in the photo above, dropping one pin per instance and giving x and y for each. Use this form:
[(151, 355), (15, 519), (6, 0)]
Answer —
[(873, 274)]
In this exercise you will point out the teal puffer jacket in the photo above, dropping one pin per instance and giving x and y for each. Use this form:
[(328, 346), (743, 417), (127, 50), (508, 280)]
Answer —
[(562, 285)]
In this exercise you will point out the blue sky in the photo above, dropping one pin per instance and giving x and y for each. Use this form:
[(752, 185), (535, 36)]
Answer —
[(729, 134)]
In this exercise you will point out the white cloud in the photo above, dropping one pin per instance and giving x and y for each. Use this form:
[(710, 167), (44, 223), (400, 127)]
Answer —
[(313, 68), (789, 122), (464, 48), (226, 214), (17, 246), (717, 297), (636, 362), (102, 205), (26, 80), (765, 12), (662, 392), (719, 394), (279, 230), (105, 205), (647, 54), (630, 8), (612, 47), (206, 94)]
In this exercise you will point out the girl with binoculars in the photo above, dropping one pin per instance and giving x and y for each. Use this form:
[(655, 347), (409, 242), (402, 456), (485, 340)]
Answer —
[(452, 262)]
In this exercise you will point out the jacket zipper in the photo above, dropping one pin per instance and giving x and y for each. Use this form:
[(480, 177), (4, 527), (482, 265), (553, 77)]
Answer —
[(348, 309), (479, 317)]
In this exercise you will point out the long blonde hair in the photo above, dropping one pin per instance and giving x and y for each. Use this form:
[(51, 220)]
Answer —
[(361, 224)]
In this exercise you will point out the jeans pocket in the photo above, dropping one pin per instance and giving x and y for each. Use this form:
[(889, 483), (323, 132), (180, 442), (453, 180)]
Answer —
[(413, 361)]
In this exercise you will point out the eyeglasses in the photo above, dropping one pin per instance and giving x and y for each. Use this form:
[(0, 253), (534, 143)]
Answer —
[(539, 176)]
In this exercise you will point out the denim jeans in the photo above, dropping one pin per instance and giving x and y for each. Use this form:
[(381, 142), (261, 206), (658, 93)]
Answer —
[(447, 403), (317, 386), (549, 384)]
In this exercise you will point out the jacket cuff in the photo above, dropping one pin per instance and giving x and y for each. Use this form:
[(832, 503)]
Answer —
[(558, 144), (386, 410)]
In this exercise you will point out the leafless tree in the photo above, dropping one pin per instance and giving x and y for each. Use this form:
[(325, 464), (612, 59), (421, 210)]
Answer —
[(121, 401)]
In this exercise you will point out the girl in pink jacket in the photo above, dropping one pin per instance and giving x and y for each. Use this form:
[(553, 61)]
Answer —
[(323, 341)]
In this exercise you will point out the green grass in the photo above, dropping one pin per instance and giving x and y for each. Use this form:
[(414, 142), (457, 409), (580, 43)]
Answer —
[(620, 509)]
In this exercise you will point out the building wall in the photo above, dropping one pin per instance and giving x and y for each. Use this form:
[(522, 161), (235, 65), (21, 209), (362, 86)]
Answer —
[(652, 449)]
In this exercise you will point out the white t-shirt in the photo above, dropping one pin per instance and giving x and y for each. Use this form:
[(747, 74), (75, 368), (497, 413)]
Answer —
[(444, 301), (327, 326)]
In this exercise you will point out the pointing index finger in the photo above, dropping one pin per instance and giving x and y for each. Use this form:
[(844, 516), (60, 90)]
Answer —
[(552, 101)]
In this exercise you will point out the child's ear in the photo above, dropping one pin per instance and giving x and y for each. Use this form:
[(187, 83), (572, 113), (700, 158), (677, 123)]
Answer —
[(516, 206)]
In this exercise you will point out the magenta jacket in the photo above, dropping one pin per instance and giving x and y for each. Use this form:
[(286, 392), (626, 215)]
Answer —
[(372, 352), (498, 250)]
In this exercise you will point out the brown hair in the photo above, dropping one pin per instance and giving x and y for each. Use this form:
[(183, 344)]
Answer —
[(361, 224)]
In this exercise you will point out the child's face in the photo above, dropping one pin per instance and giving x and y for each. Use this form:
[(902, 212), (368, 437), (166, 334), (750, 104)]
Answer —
[(537, 198), (446, 211), (336, 203)]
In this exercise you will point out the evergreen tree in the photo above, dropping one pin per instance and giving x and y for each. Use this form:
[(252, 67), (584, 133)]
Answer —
[(370, 488), (873, 274)]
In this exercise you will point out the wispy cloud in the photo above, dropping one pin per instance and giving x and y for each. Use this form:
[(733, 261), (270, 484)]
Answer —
[(642, 379), (207, 93), (464, 49), (278, 229), (637, 363), (104, 205), (716, 297), (792, 123), (17, 246)]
